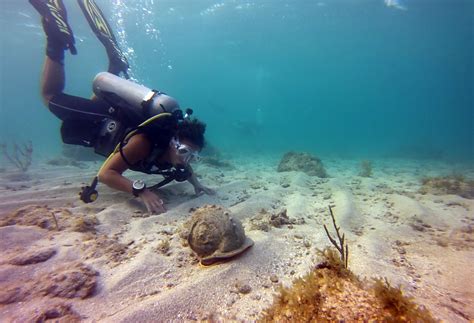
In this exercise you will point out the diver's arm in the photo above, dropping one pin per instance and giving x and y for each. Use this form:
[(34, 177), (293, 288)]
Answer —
[(198, 187), (136, 149)]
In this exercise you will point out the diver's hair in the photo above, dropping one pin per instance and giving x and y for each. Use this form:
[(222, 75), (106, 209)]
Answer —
[(192, 130)]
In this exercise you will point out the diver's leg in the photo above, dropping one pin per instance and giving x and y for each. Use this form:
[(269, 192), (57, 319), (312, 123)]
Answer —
[(59, 37), (58, 32), (117, 61), (52, 80)]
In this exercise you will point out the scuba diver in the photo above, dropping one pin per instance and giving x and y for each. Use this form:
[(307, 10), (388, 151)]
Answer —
[(138, 128)]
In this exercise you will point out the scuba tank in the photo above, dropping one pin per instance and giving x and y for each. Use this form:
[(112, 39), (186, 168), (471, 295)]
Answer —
[(139, 107), (136, 101)]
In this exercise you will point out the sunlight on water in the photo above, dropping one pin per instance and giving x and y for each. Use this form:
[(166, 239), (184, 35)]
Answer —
[(143, 14)]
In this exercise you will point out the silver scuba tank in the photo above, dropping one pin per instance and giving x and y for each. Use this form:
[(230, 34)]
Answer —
[(136, 99)]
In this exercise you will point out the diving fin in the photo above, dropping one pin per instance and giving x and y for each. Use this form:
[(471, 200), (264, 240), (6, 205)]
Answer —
[(56, 27), (117, 61)]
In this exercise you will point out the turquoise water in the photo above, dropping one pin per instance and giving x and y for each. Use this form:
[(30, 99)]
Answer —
[(348, 78)]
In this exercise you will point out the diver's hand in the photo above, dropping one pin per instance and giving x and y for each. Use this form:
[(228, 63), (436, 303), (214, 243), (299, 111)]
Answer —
[(152, 201), (199, 189)]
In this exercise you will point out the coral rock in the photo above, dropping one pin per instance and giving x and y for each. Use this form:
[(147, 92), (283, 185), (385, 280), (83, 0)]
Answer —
[(454, 184), (302, 162), (74, 281), (12, 295), (32, 257), (64, 312)]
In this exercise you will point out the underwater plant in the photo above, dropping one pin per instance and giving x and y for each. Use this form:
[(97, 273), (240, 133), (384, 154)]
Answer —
[(303, 162), (330, 292), (365, 168), (21, 156), (451, 184), (164, 246), (343, 249)]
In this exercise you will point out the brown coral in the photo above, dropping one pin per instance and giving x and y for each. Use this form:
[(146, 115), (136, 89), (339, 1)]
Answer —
[(58, 312), (72, 281), (330, 293), (303, 162), (453, 184)]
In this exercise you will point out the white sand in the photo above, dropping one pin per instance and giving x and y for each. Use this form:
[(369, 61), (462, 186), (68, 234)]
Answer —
[(422, 242)]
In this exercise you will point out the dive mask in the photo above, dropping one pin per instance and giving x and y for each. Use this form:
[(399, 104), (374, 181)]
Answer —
[(185, 152)]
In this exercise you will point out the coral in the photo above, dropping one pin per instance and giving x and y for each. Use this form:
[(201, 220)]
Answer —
[(264, 221), (452, 184), (61, 219), (163, 246), (365, 168), (37, 215), (99, 246), (21, 156), (331, 293), (85, 224), (32, 257), (281, 218), (50, 219), (398, 305), (304, 162), (343, 250), (73, 281), (12, 295), (58, 313)]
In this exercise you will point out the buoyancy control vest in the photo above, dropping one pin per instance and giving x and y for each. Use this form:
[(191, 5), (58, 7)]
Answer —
[(143, 111), (135, 104)]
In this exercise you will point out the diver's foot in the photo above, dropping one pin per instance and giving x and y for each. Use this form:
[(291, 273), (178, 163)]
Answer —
[(118, 64), (117, 61), (55, 25)]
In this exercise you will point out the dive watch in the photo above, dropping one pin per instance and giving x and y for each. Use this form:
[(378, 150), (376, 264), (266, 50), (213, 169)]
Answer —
[(138, 187)]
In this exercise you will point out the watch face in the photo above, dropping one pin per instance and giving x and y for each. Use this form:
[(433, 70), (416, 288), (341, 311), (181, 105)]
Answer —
[(138, 185)]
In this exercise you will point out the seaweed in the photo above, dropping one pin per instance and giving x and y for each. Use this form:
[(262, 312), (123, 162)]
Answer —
[(330, 292), (303, 162), (400, 307), (21, 156), (164, 246), (85, 224), (343, 249), (365, 168), (455, 183)]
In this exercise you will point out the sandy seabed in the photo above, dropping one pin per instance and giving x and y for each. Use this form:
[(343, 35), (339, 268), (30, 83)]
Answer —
[(110, 261)]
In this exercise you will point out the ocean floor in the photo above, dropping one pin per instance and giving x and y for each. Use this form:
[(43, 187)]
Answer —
[(110, 261)]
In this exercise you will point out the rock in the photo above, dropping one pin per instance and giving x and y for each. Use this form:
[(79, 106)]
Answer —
[(281, 218), (12, 295), (307, 243), (243, 288), (303, 162), (32, 257), (58, 311), (274, 278), (73, 281), (454, 184)]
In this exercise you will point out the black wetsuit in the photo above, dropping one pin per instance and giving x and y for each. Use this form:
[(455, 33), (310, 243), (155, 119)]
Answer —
[(95, 123), (82, 118)]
